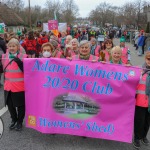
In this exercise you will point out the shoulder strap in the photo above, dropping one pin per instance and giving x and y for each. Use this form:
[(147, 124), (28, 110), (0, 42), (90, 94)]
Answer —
[(8, 65)]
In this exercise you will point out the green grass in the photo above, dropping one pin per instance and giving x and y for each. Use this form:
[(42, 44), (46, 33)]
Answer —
[(79, 116)]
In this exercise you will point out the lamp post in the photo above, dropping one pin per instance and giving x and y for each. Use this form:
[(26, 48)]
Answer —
[(29, 14)]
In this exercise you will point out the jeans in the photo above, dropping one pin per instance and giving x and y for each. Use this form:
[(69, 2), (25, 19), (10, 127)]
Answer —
[(139, 50)]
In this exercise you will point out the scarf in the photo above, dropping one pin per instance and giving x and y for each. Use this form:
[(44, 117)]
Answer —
[(146, 70), (120, 62), (12, 56), (85, 57), (54, 53), (93, 47)]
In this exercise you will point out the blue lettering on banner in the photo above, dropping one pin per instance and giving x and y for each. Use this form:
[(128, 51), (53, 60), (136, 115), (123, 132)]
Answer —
[(89, 126)]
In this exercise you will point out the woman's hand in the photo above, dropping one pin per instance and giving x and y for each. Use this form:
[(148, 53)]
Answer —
[(128, 65), (103, 62), (69, 58), (93, 61)]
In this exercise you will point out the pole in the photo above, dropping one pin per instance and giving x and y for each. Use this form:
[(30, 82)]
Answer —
[(29, 14)]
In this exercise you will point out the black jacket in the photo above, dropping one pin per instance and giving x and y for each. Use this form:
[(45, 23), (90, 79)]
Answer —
[(2, 45)]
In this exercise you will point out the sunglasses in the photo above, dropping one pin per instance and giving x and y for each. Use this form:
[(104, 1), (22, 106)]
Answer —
[(108, 43)]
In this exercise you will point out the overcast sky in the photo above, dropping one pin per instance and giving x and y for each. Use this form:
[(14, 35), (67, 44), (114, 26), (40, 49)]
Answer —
[(85, 6)]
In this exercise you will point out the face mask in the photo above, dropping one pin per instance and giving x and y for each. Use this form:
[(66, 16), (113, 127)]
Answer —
[(46, 54)]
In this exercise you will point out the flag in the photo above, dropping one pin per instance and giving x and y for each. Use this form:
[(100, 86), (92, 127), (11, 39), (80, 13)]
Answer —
[(55, 17)]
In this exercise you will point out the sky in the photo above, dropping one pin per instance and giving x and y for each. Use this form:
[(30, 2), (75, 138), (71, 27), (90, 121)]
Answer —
[(85, 6)]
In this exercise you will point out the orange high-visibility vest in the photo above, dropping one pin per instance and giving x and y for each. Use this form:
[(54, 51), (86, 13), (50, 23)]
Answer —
[(141, 96), (124, 56), (14, 77)]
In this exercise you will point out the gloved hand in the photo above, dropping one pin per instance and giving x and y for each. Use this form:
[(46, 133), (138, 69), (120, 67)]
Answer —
[(19, 63)]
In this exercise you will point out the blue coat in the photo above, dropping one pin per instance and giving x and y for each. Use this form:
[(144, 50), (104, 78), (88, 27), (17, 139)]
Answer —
[(141, 40)]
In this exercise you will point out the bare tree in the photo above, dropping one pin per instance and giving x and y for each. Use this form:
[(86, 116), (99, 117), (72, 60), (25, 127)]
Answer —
[(16, 5), (69, 11)]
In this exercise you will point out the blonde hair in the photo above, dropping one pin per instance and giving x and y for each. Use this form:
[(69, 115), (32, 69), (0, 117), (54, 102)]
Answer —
[(47, 44), (74, 40), (14, 41), (69, 37), (116, 48), (147, 55), (64, 32)]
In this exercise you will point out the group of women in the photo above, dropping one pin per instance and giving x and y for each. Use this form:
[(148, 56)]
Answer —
[(71, 49)]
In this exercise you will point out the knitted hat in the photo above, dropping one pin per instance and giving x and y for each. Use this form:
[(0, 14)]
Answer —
[(54, 43), (122, 39)]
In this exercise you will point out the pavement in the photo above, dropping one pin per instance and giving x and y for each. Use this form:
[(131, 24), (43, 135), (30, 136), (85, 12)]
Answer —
[(29, 139)]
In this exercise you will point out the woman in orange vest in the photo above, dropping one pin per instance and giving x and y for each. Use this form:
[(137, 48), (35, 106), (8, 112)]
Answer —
[(142, 109), (14, 83)]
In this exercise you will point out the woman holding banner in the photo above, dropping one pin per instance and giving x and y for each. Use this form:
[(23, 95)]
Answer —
[(14, 83), (84, 52), (49, 51), (116, 54), (142, 109), (72, 48), (108, 45)]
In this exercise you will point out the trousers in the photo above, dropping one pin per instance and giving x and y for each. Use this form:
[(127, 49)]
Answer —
[(141, 122)]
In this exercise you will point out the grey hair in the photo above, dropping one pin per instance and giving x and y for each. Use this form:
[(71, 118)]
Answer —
[(84, 42), (75, 40), (93, 39), (69, 37), (14, 41)]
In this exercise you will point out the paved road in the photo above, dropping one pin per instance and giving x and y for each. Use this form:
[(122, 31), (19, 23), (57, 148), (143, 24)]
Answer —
[(29, 139)]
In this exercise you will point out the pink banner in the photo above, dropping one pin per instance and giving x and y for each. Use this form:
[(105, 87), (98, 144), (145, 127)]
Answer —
[(52, 25), (80, 98)]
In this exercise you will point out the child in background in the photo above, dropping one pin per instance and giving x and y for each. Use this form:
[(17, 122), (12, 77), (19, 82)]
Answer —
[(126, 57)]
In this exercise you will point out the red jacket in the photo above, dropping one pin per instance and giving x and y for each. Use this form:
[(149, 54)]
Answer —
[(30, 45)]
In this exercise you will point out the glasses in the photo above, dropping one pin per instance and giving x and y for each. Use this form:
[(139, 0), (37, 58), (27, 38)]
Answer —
[(108, 43)]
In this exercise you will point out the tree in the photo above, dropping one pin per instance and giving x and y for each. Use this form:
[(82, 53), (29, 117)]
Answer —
[(69, 11), (148, 28), (16, 5)]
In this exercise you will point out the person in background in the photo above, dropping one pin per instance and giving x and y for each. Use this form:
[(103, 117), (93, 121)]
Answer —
[(141, 43), (2, 51), (84, 53), (142, 108), (95, 49), (30, 45), (126, 56), (62, 39), (55, 52), (108, 45), (43, 38), (14, 83)]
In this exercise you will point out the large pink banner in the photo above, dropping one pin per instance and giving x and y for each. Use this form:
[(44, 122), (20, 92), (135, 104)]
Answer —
[(80, 98)]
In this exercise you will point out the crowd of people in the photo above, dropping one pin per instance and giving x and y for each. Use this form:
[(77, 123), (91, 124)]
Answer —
[(42, 45)]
